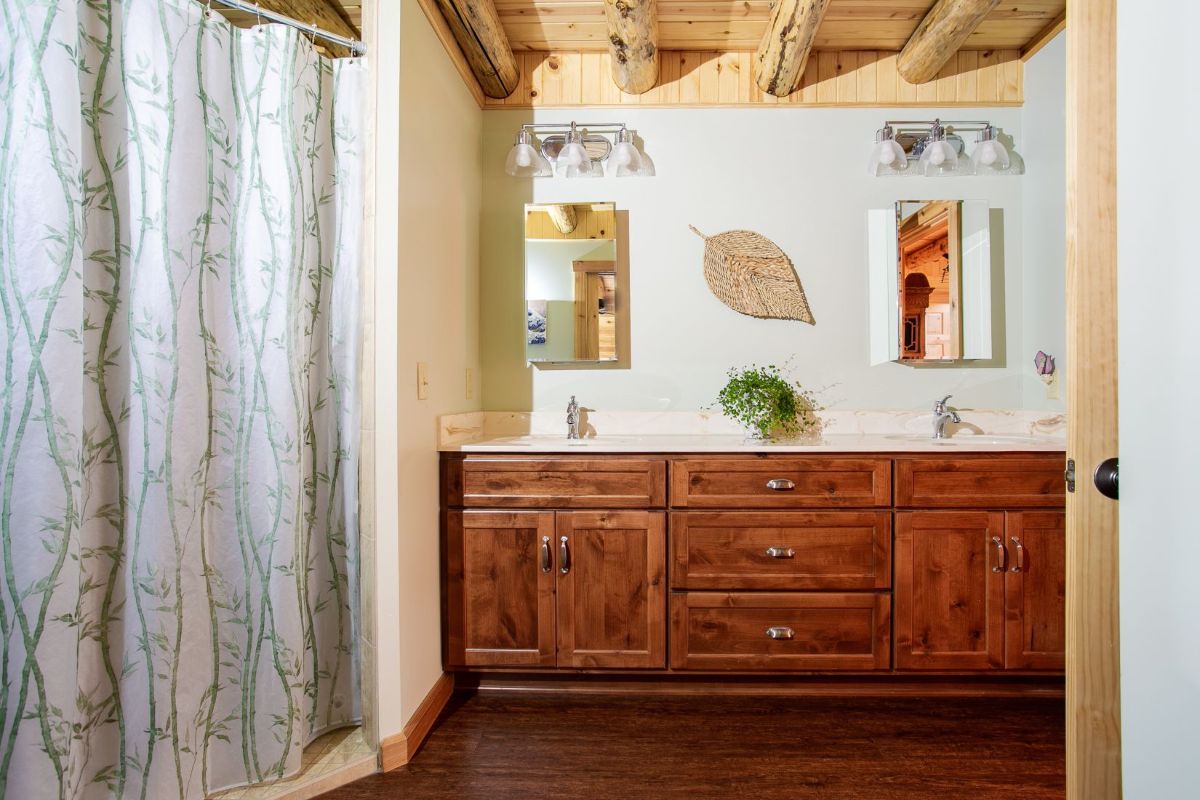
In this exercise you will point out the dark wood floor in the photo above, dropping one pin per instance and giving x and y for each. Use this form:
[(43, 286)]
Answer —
[(494, 747)]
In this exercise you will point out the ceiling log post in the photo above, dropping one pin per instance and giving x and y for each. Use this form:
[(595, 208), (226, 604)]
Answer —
[(633, 42), (783, 51), (938, 37), (476, 28)]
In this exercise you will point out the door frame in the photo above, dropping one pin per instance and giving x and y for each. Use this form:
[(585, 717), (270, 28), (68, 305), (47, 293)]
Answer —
[(1093, 714)]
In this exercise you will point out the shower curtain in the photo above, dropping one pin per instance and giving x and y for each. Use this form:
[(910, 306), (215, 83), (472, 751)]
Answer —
[(180, 207)]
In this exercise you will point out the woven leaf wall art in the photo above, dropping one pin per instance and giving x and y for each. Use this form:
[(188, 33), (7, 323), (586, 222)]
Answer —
[(752, 275)]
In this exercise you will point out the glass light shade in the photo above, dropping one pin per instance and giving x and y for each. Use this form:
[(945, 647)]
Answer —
[(573, 154), (990, 157), (625, 154), (939, 158), (645, 168), (887, 158), (588, 169), (525, 161)]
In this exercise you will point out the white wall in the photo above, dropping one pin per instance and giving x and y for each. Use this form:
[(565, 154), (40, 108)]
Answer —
[(427, 309), (1044, 211), (1158, 284), (798, 176)]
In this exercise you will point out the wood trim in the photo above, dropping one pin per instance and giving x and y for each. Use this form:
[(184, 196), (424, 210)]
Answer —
[(1053, 28), (442, 30), (594, 266), (712, 78), (1093, 628), (398, 749)]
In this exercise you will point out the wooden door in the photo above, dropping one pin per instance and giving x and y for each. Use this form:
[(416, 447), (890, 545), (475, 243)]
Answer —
[(949, 582), (1093, 608), (500, 588), (1035, 590), (612, 589)]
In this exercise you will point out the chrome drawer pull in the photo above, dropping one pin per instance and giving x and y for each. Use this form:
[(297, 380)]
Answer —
[(781, 552), (1001, 554), (780, 632), (780, 485), (545, 554)]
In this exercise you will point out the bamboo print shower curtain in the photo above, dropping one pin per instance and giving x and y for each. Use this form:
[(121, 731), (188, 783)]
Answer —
[(179, 247)]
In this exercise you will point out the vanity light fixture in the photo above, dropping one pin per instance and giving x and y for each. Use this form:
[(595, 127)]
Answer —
[(577, 150), (938, 150)]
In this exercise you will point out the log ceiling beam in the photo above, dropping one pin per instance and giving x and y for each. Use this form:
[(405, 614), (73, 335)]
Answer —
[(633, 42), (783, 52), (563, 217), (939, 36), (476, 28)]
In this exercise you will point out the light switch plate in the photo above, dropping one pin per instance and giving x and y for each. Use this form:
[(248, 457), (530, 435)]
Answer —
[(422, 380)]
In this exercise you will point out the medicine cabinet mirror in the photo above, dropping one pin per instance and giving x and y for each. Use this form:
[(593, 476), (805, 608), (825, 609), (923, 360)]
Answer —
[(930, 282), (572, 310)]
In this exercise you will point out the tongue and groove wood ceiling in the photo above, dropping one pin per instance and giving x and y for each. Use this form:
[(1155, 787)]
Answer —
[(706, 50), (739, 24)]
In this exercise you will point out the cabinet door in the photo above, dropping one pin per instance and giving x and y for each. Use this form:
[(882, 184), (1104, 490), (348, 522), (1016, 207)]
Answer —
[(500, 588), (1035, 590), (612, 589), (950, 570)]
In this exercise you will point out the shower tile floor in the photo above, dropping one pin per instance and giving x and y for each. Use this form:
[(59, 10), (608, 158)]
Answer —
[(330, 761)]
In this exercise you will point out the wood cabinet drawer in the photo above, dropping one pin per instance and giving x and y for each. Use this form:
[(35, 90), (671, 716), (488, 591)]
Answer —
[(519, 482), (780, 631), (780, 482), (991, 481), (781, 550)]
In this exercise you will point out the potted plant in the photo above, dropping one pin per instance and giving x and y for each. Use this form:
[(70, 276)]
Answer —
[(768, 405)]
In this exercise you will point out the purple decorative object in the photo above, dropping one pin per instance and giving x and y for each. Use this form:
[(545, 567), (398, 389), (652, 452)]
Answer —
[(1043, 363)]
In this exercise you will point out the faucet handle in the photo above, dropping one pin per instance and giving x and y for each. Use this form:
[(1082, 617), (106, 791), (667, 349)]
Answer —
[(940, 405)]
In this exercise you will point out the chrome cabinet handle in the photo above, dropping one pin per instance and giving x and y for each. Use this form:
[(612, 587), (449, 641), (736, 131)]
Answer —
[(1001, 554), (1020, 565), (545, 554), (780, 485), (781, 552), (564, 556), (780, 632)]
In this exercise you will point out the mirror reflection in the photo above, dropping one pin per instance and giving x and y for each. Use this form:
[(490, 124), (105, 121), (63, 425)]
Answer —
[(930, 255), (930, 282), (571, 310)]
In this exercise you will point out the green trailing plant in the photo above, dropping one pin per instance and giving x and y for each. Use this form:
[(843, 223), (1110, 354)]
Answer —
[(767, 404)]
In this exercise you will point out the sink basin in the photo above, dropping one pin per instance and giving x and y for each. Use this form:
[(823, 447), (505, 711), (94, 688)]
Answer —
[(1013, 440)]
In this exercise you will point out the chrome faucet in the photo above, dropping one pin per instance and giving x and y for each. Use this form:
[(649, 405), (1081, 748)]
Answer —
[(572, 419), (940, 414)]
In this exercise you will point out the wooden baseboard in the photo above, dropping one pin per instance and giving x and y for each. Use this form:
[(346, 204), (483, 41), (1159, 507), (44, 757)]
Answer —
[(398, 749)]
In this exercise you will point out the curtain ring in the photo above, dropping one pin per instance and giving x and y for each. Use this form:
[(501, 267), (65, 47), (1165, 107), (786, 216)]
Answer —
[(258, 12)]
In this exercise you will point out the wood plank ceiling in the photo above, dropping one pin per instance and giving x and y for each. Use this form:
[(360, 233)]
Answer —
[(557, 25), (707, 51)]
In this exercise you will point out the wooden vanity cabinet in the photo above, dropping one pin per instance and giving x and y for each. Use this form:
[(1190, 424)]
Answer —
[(559, 588), (879, 564), (980, 590)]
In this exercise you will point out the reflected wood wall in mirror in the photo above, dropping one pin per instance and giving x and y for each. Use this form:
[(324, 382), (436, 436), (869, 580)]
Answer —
[(929, 252), (571, 293), (930, 287)]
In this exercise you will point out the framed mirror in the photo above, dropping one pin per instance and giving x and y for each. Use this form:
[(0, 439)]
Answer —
[(572, 314), (930, 282)]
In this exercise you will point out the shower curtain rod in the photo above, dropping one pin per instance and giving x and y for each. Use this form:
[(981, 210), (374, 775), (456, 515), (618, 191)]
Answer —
[(353, 45)]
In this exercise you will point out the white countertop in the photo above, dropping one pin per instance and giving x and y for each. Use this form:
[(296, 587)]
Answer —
[(718, 443)]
